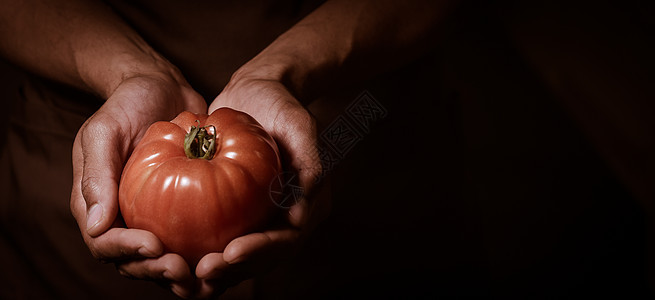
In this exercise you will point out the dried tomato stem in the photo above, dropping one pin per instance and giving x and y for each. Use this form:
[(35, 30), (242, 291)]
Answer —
[(199, 143)]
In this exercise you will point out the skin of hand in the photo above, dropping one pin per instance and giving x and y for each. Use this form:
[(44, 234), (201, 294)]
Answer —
[(294, 129), (100, 150), (120, 123)]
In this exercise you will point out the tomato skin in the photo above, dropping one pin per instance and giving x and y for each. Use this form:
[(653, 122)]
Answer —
[(197, 206)]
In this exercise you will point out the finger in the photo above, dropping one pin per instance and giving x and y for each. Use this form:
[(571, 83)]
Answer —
[(170, 266), (216, 275), (120, 243), (248, 255), (117, 243), (273, 243), (211, 265), (194, 101), (212, 269), (169, 269), (102, 159), (77, 203)]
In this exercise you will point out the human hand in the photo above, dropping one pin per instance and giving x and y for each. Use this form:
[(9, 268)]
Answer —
[(294, 129), (100, 150)]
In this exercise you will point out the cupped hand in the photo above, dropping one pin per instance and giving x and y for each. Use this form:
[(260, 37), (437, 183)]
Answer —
[(101, 147), (294, 129)]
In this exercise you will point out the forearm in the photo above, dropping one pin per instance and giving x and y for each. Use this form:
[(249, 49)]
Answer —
[(342, 41), (77, 42)]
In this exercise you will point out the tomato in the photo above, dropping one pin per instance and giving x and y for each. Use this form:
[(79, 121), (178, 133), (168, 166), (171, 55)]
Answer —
[(198, 181)]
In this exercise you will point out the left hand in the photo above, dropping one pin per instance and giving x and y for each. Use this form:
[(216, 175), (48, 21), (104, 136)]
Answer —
[(100, 150)]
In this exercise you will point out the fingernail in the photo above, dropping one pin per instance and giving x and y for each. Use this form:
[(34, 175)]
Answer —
[(94, 216)]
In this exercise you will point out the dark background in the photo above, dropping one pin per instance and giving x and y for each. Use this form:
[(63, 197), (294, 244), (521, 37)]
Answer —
[(484, 178), (481, 180)]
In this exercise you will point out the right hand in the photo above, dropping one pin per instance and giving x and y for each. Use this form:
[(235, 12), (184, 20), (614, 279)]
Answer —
[(101, 148), (294, 129)]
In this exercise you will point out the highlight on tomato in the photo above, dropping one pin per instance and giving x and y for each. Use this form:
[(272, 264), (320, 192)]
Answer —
[(199, 181)]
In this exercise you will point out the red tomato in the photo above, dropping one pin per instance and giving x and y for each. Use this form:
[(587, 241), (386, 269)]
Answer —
[(198, 205)]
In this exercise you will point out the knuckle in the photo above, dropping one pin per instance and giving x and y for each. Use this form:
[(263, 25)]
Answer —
[(125, 249), (89, 187), (302, 118), (76, 207), (92, 128)]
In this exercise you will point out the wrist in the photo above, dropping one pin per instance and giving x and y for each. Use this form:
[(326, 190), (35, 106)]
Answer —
[(305, 69), (102, 77), (296, 75)]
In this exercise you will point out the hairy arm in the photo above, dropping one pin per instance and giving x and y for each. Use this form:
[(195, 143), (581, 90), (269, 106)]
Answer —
[(80, 43)]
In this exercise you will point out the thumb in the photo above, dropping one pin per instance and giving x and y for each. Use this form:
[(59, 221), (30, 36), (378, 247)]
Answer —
[(102, 164), (194, 101)]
